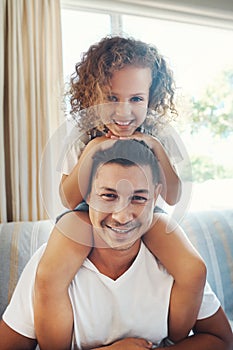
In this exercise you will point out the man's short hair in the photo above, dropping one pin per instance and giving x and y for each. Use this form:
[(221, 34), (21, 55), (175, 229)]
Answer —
[(127, 153)]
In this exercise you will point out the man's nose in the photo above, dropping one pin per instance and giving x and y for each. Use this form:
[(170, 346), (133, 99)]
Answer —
[(122, 109), (123, 213)]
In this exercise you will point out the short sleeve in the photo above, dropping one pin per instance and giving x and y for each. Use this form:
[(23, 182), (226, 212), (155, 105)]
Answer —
[(172, 144), (176, 152), (74, 144), (210, 303)]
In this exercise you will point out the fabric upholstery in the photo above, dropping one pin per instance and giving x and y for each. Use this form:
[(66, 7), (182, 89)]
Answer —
[(18, 242), (211, 232)]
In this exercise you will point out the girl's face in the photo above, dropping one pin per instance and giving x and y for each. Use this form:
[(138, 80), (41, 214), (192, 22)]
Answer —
[(128, 100)]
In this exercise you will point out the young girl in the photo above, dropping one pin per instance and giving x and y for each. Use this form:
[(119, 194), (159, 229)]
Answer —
[(133, 89)]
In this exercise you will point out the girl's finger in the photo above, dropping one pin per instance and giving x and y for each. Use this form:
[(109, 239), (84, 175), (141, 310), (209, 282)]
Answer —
[(149, 344)]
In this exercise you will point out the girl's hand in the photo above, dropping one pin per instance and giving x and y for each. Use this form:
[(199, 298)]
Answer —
[(110, 135), (135, 135), (99, 143), (151, 141)]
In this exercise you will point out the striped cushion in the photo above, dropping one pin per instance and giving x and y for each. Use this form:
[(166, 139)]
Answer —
[(211, 232), (18, 242)]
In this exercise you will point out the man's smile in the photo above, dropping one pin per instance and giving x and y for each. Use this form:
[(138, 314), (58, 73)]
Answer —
[(122, 233), (122, 230)]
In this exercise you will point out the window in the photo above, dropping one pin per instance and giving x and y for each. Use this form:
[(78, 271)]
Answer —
[(201, 58), (78, 34)]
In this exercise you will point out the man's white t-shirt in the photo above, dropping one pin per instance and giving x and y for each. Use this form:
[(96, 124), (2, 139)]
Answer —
[(106, 310)]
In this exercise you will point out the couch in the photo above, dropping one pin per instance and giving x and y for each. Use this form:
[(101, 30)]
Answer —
[(211, 232)]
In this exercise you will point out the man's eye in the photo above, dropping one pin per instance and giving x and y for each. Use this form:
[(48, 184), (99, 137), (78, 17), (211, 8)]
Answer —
[(139, 199), (112, 98), (108, 196), (136, 99)]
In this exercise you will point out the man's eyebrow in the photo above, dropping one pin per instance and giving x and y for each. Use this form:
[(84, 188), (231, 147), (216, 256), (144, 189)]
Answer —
[(139, 191), (142, 191), (107, 189)]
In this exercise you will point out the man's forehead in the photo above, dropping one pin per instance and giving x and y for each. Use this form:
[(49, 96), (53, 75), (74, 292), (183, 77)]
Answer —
[(113, 174)]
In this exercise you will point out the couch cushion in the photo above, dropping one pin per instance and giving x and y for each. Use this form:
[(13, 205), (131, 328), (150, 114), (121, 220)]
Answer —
[(211, 232), (19, 240)]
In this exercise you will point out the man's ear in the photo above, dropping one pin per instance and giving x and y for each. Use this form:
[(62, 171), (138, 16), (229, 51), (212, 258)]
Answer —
[(87, 199), (157, 191)]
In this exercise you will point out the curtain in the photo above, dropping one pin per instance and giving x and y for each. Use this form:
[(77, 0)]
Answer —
[(31, 74), (3, 203)]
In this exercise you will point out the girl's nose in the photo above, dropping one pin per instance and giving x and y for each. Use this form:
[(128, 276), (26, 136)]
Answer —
[(122, 109)]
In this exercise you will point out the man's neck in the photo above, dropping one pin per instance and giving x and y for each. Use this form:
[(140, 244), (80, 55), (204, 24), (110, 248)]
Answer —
[(114, 262)]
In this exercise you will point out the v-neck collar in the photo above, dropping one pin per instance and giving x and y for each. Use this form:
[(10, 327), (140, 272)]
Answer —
[(136, 263)]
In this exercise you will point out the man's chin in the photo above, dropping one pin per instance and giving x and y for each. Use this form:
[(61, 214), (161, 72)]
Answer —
[(125, 243), (122, 247)]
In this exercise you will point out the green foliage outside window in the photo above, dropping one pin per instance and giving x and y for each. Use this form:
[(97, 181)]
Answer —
[(203, 169), (212, 111)]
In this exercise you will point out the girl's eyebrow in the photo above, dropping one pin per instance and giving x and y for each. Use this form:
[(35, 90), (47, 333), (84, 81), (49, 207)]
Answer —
[(134, 94)]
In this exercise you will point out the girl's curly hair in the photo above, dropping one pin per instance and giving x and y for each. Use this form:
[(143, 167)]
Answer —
[(90, 83)]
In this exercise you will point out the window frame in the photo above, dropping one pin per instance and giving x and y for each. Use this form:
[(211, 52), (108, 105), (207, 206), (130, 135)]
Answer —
[(207, 13)]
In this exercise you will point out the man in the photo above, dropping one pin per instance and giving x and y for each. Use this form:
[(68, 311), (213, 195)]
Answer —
[(121, 294)]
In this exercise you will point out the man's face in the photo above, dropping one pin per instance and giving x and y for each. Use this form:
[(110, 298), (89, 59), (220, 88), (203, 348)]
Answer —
[(121, 204)]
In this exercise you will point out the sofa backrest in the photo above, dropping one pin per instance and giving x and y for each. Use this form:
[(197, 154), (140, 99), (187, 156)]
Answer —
[(18, 242), (211, 232)]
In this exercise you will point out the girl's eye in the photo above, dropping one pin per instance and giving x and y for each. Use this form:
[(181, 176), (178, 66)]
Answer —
[(139, 199), (112, 98), (136, 99)]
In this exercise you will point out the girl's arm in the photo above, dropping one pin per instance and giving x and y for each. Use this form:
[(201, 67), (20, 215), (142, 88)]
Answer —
[(61, 260), (69, 244), (73, 187), (171, 246), (171, 189)]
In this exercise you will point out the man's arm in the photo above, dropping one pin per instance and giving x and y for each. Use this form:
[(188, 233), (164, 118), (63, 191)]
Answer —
[(212, 333), (9, 339)]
